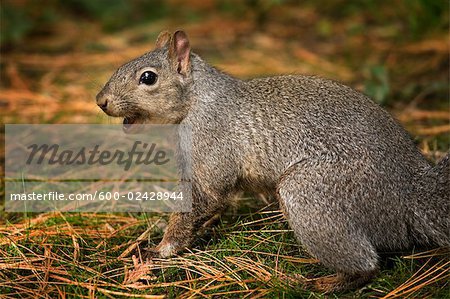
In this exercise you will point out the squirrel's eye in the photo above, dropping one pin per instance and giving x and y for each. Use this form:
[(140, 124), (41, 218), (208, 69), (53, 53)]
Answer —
[(148, 78)]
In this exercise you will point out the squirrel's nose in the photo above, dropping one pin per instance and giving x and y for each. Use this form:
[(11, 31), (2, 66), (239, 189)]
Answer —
[(102, 102)]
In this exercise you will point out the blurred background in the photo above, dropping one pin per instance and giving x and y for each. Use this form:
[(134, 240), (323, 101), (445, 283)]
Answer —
[(56, 55)]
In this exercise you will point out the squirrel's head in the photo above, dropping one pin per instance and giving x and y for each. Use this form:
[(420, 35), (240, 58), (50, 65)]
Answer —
[(151, 88)]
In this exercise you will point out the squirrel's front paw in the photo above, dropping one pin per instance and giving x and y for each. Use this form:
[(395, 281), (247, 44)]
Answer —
[(165, 249)]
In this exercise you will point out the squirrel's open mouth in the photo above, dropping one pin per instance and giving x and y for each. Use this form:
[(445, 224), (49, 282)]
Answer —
[(132, 125)]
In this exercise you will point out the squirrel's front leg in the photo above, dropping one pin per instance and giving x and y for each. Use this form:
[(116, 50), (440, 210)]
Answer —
[(183, 226), (180, 233)]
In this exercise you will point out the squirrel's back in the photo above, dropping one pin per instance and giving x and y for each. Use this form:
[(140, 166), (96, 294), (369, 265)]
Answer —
[(306, 117)]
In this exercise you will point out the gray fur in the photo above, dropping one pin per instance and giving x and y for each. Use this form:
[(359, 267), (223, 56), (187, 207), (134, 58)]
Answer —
[(349, 178)]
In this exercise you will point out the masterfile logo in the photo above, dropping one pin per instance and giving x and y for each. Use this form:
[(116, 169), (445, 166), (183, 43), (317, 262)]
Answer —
[(92, 156)]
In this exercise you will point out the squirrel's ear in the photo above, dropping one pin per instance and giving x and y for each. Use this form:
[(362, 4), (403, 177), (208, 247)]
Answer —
[(163, 39), (179, 52)]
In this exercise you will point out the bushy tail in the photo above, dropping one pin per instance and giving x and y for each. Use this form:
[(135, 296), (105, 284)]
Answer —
[(432, 209)]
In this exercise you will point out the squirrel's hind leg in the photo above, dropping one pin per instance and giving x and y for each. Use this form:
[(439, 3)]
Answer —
[(319, 208)]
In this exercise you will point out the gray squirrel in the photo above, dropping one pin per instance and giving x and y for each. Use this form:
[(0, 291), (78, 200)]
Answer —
[(348, 177)]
